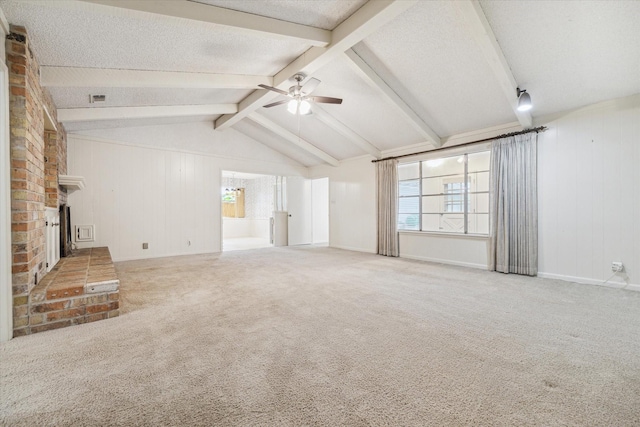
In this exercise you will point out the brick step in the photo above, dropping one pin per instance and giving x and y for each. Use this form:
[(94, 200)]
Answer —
[(82, 288), (73, 311)]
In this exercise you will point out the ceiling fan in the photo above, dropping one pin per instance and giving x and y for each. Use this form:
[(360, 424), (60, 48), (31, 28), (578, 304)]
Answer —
[(299, 94)]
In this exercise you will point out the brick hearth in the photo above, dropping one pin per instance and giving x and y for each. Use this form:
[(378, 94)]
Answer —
[(81, 288)]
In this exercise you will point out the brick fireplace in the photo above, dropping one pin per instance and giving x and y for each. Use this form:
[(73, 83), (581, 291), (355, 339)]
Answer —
[(38, 145)]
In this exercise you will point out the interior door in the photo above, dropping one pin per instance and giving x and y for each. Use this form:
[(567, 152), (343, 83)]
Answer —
[(299, 208)]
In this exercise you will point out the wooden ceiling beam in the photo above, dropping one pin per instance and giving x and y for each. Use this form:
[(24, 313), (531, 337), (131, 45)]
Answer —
[(102, 77), (354, 29), (242, 21), (391, 97), (345, 131), (477, 24), (117, 113), (293, 138)]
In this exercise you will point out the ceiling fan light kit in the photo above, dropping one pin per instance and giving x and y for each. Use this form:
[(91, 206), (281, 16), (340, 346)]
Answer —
[(300, 101), (299, 107)]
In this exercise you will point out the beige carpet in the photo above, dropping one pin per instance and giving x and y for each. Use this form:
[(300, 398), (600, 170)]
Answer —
[(324, 337)]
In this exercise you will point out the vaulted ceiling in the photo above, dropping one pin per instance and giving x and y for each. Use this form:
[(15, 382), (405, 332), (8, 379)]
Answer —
[(411, 73)]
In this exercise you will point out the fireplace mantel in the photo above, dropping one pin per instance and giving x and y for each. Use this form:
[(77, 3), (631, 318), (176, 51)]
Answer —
[(71, 183)]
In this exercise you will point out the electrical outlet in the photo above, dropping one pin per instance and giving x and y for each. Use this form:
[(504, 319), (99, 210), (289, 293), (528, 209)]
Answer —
[(617, 267), (145, 246)]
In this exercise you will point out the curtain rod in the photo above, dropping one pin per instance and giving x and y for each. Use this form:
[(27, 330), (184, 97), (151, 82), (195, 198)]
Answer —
[(504, 135)]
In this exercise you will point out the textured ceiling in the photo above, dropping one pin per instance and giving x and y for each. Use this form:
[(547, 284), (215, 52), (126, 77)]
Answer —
[(78, 97), (363, 109), (313, 131), (326, 14), (77, 34), (569, 54), (194, 137), (273, 141), (435, 65)]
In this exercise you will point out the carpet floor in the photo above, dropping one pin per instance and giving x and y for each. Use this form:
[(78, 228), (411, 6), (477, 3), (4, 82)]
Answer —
[(325, 337)]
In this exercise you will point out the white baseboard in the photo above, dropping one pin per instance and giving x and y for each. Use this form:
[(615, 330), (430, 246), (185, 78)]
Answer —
[(351, 248), (164, 256), (445, 261), (587, 281)]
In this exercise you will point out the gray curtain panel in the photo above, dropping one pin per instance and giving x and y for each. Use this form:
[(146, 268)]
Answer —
[(514, 205), (387, 195)]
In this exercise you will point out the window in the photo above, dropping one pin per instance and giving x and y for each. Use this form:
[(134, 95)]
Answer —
[(453, 197), (448, 194), (409, 196)]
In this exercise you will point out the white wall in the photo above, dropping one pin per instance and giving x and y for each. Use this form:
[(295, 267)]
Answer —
[(200, 137), (467, 251), (320, 210), (244, 227), (168, 198), (589, 200), (352, 204), (589, 193)]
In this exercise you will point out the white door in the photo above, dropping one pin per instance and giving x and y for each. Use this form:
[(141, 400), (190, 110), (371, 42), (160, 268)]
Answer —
[(299, 207), (52, 237)]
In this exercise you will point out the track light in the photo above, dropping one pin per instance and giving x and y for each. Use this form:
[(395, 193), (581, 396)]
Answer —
[(524, 100)]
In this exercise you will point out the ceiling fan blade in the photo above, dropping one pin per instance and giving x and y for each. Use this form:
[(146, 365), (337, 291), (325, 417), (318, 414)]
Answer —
[(275, 89), (273, 104), (325, 100), (310, 86)]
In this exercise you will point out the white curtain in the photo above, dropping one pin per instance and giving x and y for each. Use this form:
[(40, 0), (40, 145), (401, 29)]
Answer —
[(387, 197), (514, 205)]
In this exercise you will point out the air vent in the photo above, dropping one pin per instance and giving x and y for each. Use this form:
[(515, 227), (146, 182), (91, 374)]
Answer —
[(97, 98)]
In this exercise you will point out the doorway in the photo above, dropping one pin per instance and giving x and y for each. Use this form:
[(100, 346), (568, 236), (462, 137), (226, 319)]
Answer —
[(308, 207), (247, 205)]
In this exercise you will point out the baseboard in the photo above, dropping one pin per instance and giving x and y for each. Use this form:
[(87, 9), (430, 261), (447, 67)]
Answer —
[(164, 256), (587, 281), (445, 261), (354, 249)]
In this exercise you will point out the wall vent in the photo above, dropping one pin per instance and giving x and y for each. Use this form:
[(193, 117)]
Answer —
[(97, 98)]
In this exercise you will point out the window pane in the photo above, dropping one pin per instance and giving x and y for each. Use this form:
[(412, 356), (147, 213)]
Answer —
[(409, 188), (479, 203), (408, 222), (433, 204), (479, 181), (450, 223), (443, 166), (408, 171), (443, 184), (479, 161), (432, 186), (442, 197), (409, 205), (478, 223)]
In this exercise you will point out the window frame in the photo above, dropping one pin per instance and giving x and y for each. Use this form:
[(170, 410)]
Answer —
[(465, 182)]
